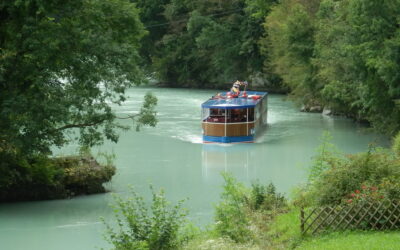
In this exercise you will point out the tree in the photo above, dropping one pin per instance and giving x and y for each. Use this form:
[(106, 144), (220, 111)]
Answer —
[(61, 65), (290, 45), (357, 56), (209, 43), (152, 16), (340, 54)]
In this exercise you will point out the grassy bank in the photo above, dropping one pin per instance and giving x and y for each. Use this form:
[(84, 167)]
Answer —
[(354, 240), (271, 225), (284, 233)]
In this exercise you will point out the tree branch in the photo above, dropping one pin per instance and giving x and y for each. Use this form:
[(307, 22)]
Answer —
[(90, 124), (128, 117), (81, 125)]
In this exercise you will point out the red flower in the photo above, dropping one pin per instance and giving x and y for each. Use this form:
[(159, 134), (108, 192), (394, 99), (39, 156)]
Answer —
[(357, 191), (349, 201), (374, 188), (352, 194), (364, 187)]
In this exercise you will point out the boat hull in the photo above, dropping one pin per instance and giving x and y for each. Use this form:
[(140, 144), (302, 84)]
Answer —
[(228, 139)]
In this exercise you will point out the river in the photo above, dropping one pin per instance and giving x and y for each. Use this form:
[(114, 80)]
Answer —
[(172, 156)]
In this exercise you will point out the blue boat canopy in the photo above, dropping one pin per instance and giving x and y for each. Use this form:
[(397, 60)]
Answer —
[(222, 102)]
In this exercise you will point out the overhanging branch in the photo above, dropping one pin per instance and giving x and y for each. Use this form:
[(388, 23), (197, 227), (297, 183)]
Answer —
[(90, 124), (127, 117), (81, 125)]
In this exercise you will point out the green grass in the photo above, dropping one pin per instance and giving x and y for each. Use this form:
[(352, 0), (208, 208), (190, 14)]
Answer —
[(285, 233), (204, 243), (354, 240)]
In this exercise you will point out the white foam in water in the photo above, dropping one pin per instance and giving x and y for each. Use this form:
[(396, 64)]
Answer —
[(78, 224), (189, 138)]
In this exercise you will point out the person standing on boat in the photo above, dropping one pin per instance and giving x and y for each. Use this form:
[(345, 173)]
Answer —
[(235, 88)]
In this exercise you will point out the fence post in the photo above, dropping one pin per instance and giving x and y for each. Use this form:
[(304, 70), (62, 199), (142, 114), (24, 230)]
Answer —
[(302, 220)]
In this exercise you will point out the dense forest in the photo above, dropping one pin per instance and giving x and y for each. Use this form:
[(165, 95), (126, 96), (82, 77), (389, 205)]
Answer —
[(63, 62), (343, 55)]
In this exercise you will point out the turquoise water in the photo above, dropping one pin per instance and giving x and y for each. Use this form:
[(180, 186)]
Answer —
[(172, 156)]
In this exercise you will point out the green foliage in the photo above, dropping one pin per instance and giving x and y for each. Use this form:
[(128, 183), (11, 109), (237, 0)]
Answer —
[(204, 43), (284, 230), (335, 178), (339, 54), (230, 214), (353, 240), (62, 64), (141, 227), (240, 209), (84, 175), (327, 157), (266, 197), (147, 114), (290, 27), (22, 173), (40, 177), (151, 14), (396, 144)]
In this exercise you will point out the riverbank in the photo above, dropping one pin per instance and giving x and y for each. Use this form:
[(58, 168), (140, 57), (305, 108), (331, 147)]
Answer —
[(284, 233), (46, 178), (364, 180)]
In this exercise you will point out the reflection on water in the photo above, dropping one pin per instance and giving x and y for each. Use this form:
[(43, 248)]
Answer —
[(233, 158)]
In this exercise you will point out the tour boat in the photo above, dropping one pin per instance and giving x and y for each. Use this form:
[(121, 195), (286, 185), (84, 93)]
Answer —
[(234, 119)]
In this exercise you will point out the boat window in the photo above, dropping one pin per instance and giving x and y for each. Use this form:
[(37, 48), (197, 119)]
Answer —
[(237, 115), (216, 115)]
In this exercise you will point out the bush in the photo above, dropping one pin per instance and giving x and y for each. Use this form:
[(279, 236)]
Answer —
[(342, 176), (84, 175), (40, 177), (240, 208), (396, 144), (266, 197), (230, 214), (140, 227)]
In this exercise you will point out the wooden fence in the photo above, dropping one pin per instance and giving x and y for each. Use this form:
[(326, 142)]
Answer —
[(367, 215)]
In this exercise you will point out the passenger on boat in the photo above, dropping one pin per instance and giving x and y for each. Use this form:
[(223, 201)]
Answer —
[(235, 88)]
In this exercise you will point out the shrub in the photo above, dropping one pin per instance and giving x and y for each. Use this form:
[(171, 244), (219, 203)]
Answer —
[(366, 193), (230, 214), (327, 157), (41, 177), (396, 144), (240, 208), (266, 197), (84, 175), (141, 227), (343, 175)]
